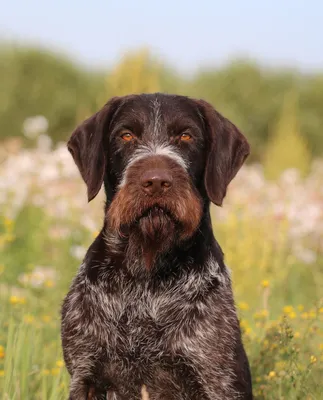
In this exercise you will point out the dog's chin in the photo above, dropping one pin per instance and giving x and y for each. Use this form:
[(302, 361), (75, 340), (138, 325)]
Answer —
[(155, 233)]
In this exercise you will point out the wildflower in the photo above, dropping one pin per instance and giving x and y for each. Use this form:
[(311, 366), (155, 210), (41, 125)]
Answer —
[(300, 307), (34, 126), (46, 318), (321, 346), (46, 372), (38, 277), (312, 314), (297, 335), (2, 353), (29, 318), (7, 222), (1, 372), (313, 359), (265, 283), (288, 309), (321, 310), (55, 371), (248, 331), (272, 374), (292, 315), (17, 300), (261, 314), (78, 252), (60, 363), (49, 283), (304, 315), (243, 306)]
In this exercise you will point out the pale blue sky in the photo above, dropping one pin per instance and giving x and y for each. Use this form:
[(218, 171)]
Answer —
[(186, 33)]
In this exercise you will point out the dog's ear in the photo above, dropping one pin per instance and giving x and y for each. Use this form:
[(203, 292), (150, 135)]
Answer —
[(227, 150), (87, 146)]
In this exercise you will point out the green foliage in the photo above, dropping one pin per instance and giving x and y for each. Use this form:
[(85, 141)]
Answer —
[(39, 82), (287, 147), (136, 73)]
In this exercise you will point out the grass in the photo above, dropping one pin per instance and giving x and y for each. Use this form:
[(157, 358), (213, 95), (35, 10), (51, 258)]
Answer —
[(279, 299)]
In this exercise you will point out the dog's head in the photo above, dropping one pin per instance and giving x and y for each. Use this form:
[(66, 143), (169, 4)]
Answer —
[(162, 158)]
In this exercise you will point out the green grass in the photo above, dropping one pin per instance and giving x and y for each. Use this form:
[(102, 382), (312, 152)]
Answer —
[(278, 298)]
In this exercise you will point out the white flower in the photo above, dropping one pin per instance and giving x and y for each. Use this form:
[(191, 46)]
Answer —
[(44, 142), (78, 252), (34, 126), (38, 277)]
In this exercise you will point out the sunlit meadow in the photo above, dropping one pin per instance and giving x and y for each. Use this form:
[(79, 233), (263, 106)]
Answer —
[(271, 233)]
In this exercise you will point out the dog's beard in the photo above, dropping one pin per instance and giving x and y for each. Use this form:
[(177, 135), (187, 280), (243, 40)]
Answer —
[(153, 234), (150, 226)]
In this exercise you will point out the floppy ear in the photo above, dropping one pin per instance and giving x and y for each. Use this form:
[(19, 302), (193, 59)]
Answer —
[(227, 151), (87, 147)]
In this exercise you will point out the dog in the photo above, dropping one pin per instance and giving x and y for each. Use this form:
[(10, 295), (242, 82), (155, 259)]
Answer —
[(152, 305)]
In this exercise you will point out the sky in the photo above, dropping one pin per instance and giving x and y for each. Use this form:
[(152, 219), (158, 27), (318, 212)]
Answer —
[(187, 34)]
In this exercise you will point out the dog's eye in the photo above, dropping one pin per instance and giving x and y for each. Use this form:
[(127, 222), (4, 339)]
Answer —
[(127, 136), (185, 137)]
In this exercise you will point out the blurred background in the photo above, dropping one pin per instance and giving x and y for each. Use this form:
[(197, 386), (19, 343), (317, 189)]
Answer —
[(261, 65)]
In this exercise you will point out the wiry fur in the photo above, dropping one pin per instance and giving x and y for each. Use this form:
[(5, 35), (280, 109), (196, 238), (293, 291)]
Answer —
[(171, 327)]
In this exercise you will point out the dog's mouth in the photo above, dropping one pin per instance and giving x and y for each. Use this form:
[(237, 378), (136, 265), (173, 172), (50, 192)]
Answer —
[(157, 211)]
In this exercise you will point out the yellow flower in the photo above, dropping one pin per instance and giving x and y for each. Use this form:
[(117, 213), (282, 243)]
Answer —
[(243, 306), (261, 314), (244, 323), (95, 234), (265, 283), (288, 309), (46, 372), (29, 318), (17, 300), (312, 314), (321, 346), (60, 363), (313, 359), (46, 318), (304, 315), (292, 315), (248, 331), (297, 335), (55, 371), (7, 222), (49, 283), (1, 372), (300, 307), (272, 374), (321, 310)]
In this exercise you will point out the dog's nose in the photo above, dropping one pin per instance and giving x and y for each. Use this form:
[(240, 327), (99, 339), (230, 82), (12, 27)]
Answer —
[(156, 181)]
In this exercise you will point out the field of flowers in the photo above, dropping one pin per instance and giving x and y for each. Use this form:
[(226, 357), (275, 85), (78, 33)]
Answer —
[(271, 233)]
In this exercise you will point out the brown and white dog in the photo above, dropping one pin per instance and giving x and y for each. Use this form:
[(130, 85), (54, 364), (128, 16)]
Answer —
[(152, 304)]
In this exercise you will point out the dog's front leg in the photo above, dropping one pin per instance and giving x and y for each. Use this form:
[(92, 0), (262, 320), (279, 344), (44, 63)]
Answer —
[(79, 390)]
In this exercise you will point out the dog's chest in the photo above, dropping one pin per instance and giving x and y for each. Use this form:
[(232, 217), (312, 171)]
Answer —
[(137, 320)]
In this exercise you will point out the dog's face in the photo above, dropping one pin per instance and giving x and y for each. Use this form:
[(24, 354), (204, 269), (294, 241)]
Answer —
[(162, 158)]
